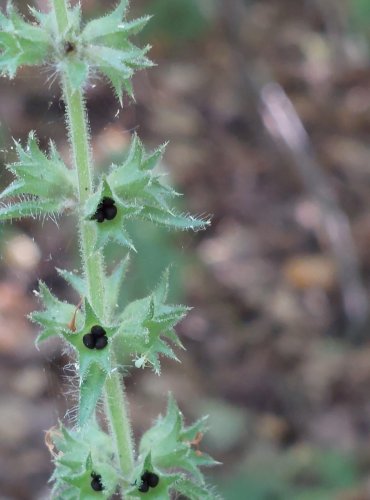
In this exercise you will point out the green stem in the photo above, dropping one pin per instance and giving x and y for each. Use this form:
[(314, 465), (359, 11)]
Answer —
[(119, 421), (93, 263)]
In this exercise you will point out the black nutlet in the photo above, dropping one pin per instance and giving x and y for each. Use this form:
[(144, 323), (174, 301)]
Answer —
[(101, 342), (110, 212), (108, 202), (98, 331), (144, 487), (99, 215), (150, 478), (153, 479), (89, 340), (96, 483), (106, 210)]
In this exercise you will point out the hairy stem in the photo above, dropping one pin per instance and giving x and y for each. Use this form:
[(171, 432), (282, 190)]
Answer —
[(117, 414), (92, 261)]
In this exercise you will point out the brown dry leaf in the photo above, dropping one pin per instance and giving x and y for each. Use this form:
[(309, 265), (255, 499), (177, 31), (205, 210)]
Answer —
[(310, 271)]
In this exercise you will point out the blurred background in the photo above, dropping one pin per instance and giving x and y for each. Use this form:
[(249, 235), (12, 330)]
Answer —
[(266, 104)]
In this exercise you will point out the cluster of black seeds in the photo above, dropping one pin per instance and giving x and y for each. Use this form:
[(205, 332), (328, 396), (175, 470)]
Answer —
[(96, 339), (148, 480), (96, 483), (106, 210)]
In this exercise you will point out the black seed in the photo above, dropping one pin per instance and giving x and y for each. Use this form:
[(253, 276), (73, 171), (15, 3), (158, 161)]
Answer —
[(98, 331), (110, 212), (98, 215), (89, 340), (101, 342), (108, 202), (96, 483), (144, 487), (152, 479)]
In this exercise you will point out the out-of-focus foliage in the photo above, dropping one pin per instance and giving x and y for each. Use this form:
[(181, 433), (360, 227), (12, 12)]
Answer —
[(167, 14), (300, 474), (360, 16)]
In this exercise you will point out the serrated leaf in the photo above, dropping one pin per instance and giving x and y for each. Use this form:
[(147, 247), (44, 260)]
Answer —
[(54, 318), (170, 444), (42, 175), (29, 208), (173, 220), (193, 491), (113, 284), (147, 327), (77, 71), (75, 280), (21, 42), (82, 453), (109, 51), (105, 25), (45, 183), (138, 194)]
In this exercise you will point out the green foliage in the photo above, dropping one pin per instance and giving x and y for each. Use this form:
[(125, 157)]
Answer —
[(144, 330), (360, 16), (44, 183), (167, 12), (147, 325), (103, 46), (168, 446), (300, 473), (21, 42), (138, 194), (81, 454)]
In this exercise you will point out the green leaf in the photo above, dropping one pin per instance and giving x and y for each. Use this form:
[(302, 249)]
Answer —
[(28, 208), (109, 51), (73, 279), (55, 317), (42, 175), (138, 193), (46, 184), (77, 71), (113, 284), (80, 454), (21, 42), (147, 328), (105, 25), (90, 391), (171, 447), (194, 491), (173, 220)]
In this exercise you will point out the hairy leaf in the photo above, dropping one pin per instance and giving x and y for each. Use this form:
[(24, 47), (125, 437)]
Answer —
[(147, 327), (80, 454), (21, 42), (174, 447), (103, 46), (138, 194), (55, 317), (43, 183)]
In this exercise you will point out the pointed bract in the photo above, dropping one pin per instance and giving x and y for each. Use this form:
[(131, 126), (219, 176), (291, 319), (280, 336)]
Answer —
[(171, 447), (43, 183), (147, 328), (21, 42)]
